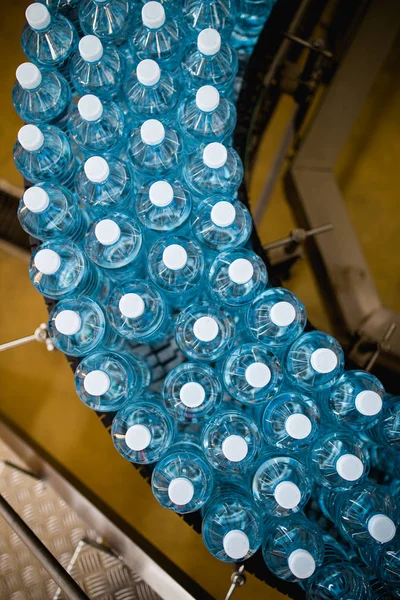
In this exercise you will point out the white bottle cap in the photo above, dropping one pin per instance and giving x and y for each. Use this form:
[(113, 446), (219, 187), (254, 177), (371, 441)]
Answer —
[(282, 314), (36, 199), (234, 448), (215, 155), (207, 98), (258, 375), (349, 467), (148, 72), (96, 169), (90, 48), (152, 132), (138, 437), (206, 329), (153, 15), (174, 257), (236, 544), (287, 494), (180, 491), (131, 306), (96, 383), (209, 41), (301, 563), (368, 403), (324, 360), (28, 76), (381, 528), (240, 271), (161, 194), (47, 261), (192, 394), (223, 214), (38, 16), (30, 137), (90, 107), (68, 322), (298, 426), (107, 232)]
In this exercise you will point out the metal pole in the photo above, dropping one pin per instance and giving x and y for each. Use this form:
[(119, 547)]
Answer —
[(62, 578)]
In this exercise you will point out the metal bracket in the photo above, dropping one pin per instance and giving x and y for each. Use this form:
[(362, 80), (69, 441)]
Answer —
[(238, 579), (40, 334)]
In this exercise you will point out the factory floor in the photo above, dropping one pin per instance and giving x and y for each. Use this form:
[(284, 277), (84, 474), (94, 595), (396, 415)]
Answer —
[(37, 389)]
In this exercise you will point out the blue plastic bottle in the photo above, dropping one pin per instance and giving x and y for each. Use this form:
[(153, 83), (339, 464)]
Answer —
[(232, 525), (143, 431), (252, 374), (339, 580), (213, 170), (293, 547), (387, 431), (250, 21), (68, 8), (105, 381), (139, 313), (231, 441), (384, 559), (44, 155), (207, 61), (49, 211), (41, 97), (104, 185), (109, 20), (176, 266), (163, 207), (201, 14), (205, 332)]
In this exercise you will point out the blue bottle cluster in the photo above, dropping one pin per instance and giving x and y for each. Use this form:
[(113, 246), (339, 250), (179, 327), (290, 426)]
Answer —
[(134, 197)]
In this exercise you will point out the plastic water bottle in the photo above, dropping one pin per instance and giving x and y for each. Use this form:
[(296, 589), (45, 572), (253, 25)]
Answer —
[(163, 207), (105, 381), (207, 61), (201, 14), (338, 460), (213, 170), (205, 332), (231, 441), (315, 361), (192, 393), (290, 421), (97, 69), (139, 313), (176, 266), (339, 580), (142, 431), (206, 117), (387, 431), (116, 245), (41, 97), (49, 211), (250, 22), (384, 559), (109, 20), (44, 155), (252, 374), (105, 185), (68, 8), (281, 485), (232, 525), (48, 40), (97, 128), (151, 94), (182, 480), (78, 326), (293, 547)]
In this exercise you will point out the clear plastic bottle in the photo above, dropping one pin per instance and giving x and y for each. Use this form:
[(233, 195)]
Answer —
[(44, 155), (213, 170), (68, 8), (252, 374), (143, 431), (41, 97), (97, 69), (205, 332), (207, 61), (201, 14), (109, 20), (105, 185), (252, 15), (192, 393), (49, 211), (293, 547), (176, 266), (105, 381), (139, 313), (116, 245), (387, 431), (384, 559), (339, 580), (231, 441)]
